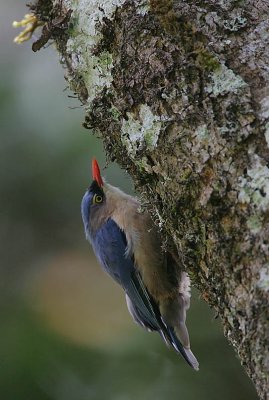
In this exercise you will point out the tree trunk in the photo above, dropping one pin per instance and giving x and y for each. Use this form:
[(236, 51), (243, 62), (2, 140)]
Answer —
[(179, 93)]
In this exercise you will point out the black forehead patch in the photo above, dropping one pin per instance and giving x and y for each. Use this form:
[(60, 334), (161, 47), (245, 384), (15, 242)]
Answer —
[(96, 189)]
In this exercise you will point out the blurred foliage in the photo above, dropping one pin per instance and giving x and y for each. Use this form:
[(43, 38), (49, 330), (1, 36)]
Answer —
[(65, 330)]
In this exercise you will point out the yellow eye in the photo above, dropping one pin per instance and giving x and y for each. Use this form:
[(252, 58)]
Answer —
[(97, 199)]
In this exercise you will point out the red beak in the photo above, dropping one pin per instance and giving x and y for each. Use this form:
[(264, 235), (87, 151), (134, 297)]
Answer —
[(96, 173)]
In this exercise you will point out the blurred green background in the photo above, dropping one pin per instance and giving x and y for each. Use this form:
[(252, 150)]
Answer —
[(65, 332)]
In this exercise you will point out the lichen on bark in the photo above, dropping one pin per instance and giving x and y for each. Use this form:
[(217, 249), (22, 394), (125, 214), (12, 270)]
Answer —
[(179, 93)]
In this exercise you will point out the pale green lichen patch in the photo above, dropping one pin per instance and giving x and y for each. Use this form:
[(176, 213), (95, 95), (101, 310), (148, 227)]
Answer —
[(87, 18), (202, 133), (235, 22), (254, 224), (206, 142), (142, 132), (200, 143), (224, 80), (142, 7), (143, 165), (254, 188), (115, 113), (264, 113), (263, 282), (264, 107)]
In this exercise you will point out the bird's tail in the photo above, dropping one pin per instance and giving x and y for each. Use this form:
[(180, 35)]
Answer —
[(172, 339), (146, 312)]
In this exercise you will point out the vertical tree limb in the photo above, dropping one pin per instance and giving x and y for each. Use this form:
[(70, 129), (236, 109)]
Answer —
[(179, 93)]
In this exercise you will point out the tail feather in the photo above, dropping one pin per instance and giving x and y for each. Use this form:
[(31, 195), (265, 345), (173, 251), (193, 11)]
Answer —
[(186, 353), (192, 359), (146, 313)]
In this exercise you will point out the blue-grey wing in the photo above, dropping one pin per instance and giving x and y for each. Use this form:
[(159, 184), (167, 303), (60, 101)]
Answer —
[(109, 245), (137, 317)]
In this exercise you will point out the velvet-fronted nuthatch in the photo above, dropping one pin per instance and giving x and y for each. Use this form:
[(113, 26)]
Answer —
[(128, 248)]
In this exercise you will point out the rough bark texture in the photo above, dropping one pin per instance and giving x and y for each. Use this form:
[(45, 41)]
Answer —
[(179, 93)]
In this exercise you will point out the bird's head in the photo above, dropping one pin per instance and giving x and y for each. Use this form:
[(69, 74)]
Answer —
[(94, 198), (102, 201)]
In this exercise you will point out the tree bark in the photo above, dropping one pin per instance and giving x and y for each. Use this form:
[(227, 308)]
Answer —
[(179, 92)]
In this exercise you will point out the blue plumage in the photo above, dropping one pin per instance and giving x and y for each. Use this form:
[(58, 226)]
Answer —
[(109, 244), (103, 210)]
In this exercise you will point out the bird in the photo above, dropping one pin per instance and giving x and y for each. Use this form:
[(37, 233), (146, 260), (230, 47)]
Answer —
[(128, 246)]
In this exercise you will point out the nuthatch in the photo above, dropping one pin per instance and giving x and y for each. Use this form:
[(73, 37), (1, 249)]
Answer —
[(128, 248)]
